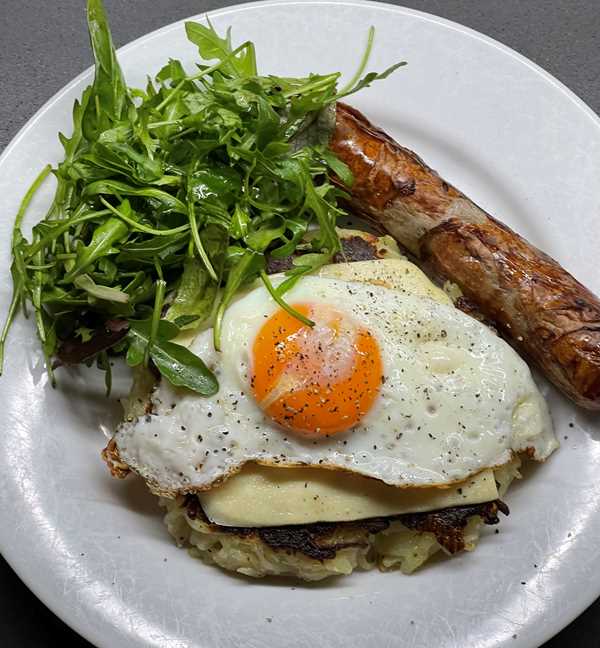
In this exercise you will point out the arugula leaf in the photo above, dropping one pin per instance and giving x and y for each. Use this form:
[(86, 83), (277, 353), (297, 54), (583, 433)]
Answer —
[(156, 247), (246, 268), (118, 188), (240, 221), (276, 295), (303, 265), (121, 158), (195, 295), (211, 46), (166, 330), (86, 283), (109, 99), (142, 293), (341, 169), (260, 239), (183, 321), (219, 183), (183, 368), (103, 239), (73, 144), (139, 338), (18, 271), (136, 352), (176, 363), (84, 333), (368, 79), (298, 228), (326, 217)]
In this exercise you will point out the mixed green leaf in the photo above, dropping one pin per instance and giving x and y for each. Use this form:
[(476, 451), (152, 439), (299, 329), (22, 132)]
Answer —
[(169, 200)]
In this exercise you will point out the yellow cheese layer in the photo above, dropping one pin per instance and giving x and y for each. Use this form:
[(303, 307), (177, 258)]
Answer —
[(395, 274), (269, 496)]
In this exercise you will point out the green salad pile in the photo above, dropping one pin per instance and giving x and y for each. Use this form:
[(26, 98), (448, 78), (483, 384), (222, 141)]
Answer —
[(170, 197)]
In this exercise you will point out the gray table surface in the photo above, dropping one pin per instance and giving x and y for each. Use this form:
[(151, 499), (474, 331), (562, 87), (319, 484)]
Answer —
[(43, 45)]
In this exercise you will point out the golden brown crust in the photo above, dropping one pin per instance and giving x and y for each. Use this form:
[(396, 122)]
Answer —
[(544, 311), (110, 454)]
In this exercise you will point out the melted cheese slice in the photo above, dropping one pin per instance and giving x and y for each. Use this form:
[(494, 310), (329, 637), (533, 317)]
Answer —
[(395, 274), (261, 496), (268, 496)]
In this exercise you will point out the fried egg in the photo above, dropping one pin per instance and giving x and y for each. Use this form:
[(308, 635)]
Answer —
[(385, 384)]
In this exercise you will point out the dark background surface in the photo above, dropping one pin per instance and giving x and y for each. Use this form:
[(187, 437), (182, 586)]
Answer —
[(43, 45)]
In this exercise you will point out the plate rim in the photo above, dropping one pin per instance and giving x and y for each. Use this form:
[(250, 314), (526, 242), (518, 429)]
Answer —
[(10, 554)]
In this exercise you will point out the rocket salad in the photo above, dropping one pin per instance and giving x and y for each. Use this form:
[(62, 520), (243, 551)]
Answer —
[(170, 197)]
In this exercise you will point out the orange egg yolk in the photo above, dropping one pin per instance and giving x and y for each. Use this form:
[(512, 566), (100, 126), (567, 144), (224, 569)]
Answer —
[(318, 380)]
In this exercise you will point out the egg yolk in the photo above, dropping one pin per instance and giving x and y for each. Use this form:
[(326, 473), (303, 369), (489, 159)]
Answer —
[(317, 380)]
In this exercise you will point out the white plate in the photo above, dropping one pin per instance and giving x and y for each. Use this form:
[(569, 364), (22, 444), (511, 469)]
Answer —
[(95, 550)]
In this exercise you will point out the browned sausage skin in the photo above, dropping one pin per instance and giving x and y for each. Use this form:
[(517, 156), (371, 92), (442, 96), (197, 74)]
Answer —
[(544, 311)]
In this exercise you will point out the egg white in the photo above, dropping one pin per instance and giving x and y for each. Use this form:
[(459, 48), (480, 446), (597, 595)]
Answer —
[(456, 399)]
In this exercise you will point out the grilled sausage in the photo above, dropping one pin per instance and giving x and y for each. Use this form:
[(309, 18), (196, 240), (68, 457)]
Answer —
[(542, 309)]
